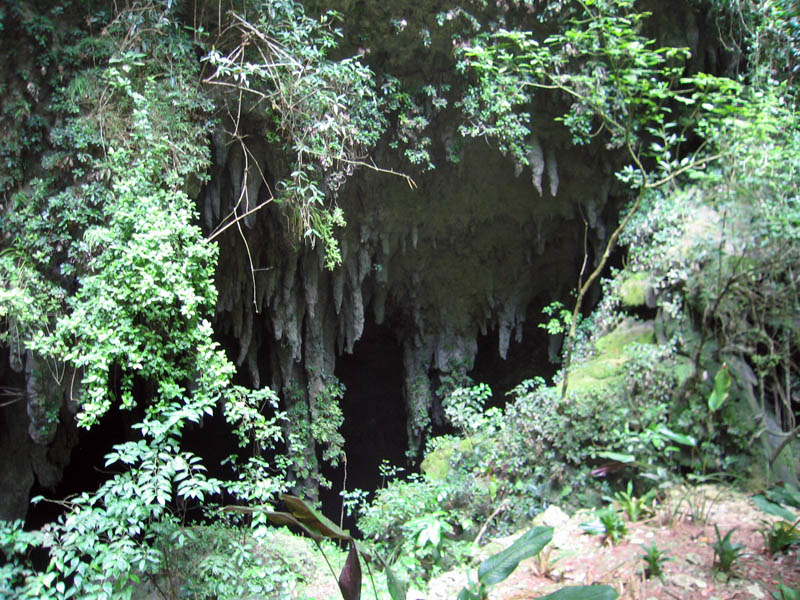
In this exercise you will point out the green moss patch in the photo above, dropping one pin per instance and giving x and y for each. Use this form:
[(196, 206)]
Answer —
[(633, 289), (606, 368)]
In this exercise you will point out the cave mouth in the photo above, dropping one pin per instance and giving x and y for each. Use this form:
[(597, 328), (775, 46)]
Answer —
[(373, 406), (525, 359), (374, 412)]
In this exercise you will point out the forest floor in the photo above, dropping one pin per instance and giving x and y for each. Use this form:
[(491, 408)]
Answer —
[(682, 526)]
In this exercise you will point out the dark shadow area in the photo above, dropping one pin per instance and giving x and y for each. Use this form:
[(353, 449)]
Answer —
[(86, 470), (374, 414), (211, 439), (524, 360)]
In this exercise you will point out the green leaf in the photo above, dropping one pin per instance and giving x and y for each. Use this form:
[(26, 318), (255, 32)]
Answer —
[(623, 458), (583, 592), (398, 588), (678, 438), (466, 594), (722, 386), (773, 509), (499, 566), (785, 494), (313, 519)]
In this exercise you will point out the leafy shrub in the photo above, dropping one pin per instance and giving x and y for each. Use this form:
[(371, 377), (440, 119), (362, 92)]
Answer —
[(552, 442), (226, 561), (418, 522), (15, 548)]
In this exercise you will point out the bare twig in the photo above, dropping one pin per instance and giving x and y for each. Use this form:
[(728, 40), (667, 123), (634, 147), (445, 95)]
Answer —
[(497, 510)]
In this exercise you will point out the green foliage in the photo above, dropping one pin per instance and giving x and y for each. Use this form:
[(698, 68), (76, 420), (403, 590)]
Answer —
[(775, 507), (655, 560), (633, 506), (15, 547), (766, 34), (110, 280), (722, 387), (617, 80), (465, 409), (779, 536), (315, 426), (223, 561), (608, 524), (415, 523), (428, 533), (326, 114), (699, 502), (552, 441), (583, 592), (725, 551), (722, 249), (784, 592), (559, 318), (499, 566)]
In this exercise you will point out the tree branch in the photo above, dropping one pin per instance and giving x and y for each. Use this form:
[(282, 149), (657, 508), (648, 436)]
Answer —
[(787, 438)]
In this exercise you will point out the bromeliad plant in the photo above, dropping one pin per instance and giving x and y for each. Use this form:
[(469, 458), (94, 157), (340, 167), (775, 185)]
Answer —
[(608, 524), (654, 559), (725, 551), (633, 506), (779, 536)]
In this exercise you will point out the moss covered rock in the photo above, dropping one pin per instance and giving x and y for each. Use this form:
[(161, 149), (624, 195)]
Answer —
[(633, 290), (606, 368)]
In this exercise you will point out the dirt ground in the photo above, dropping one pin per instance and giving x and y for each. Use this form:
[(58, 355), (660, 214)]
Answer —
[(682, 526)]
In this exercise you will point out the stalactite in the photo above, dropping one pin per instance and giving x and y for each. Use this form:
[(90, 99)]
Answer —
[(310, 275), (399, 257), (536, 161), (552, 171), (235, 166), (338, 289), (379, 303), (417, 389), (245, 336)]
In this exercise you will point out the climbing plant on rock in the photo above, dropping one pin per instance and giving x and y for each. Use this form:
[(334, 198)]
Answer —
[(623, 90), (326, 114)]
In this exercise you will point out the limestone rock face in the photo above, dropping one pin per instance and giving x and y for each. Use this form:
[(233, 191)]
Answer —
[(464, 254), (37, 433), (478, 245)]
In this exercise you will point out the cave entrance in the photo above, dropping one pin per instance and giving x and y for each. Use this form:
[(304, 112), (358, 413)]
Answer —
[(532, 357), (374, 411)]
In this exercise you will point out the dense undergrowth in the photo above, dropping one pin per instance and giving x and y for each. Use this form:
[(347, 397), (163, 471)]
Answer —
[(686, 369)]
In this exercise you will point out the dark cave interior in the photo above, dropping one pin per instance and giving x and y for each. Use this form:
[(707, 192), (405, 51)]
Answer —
[(374, 426)]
